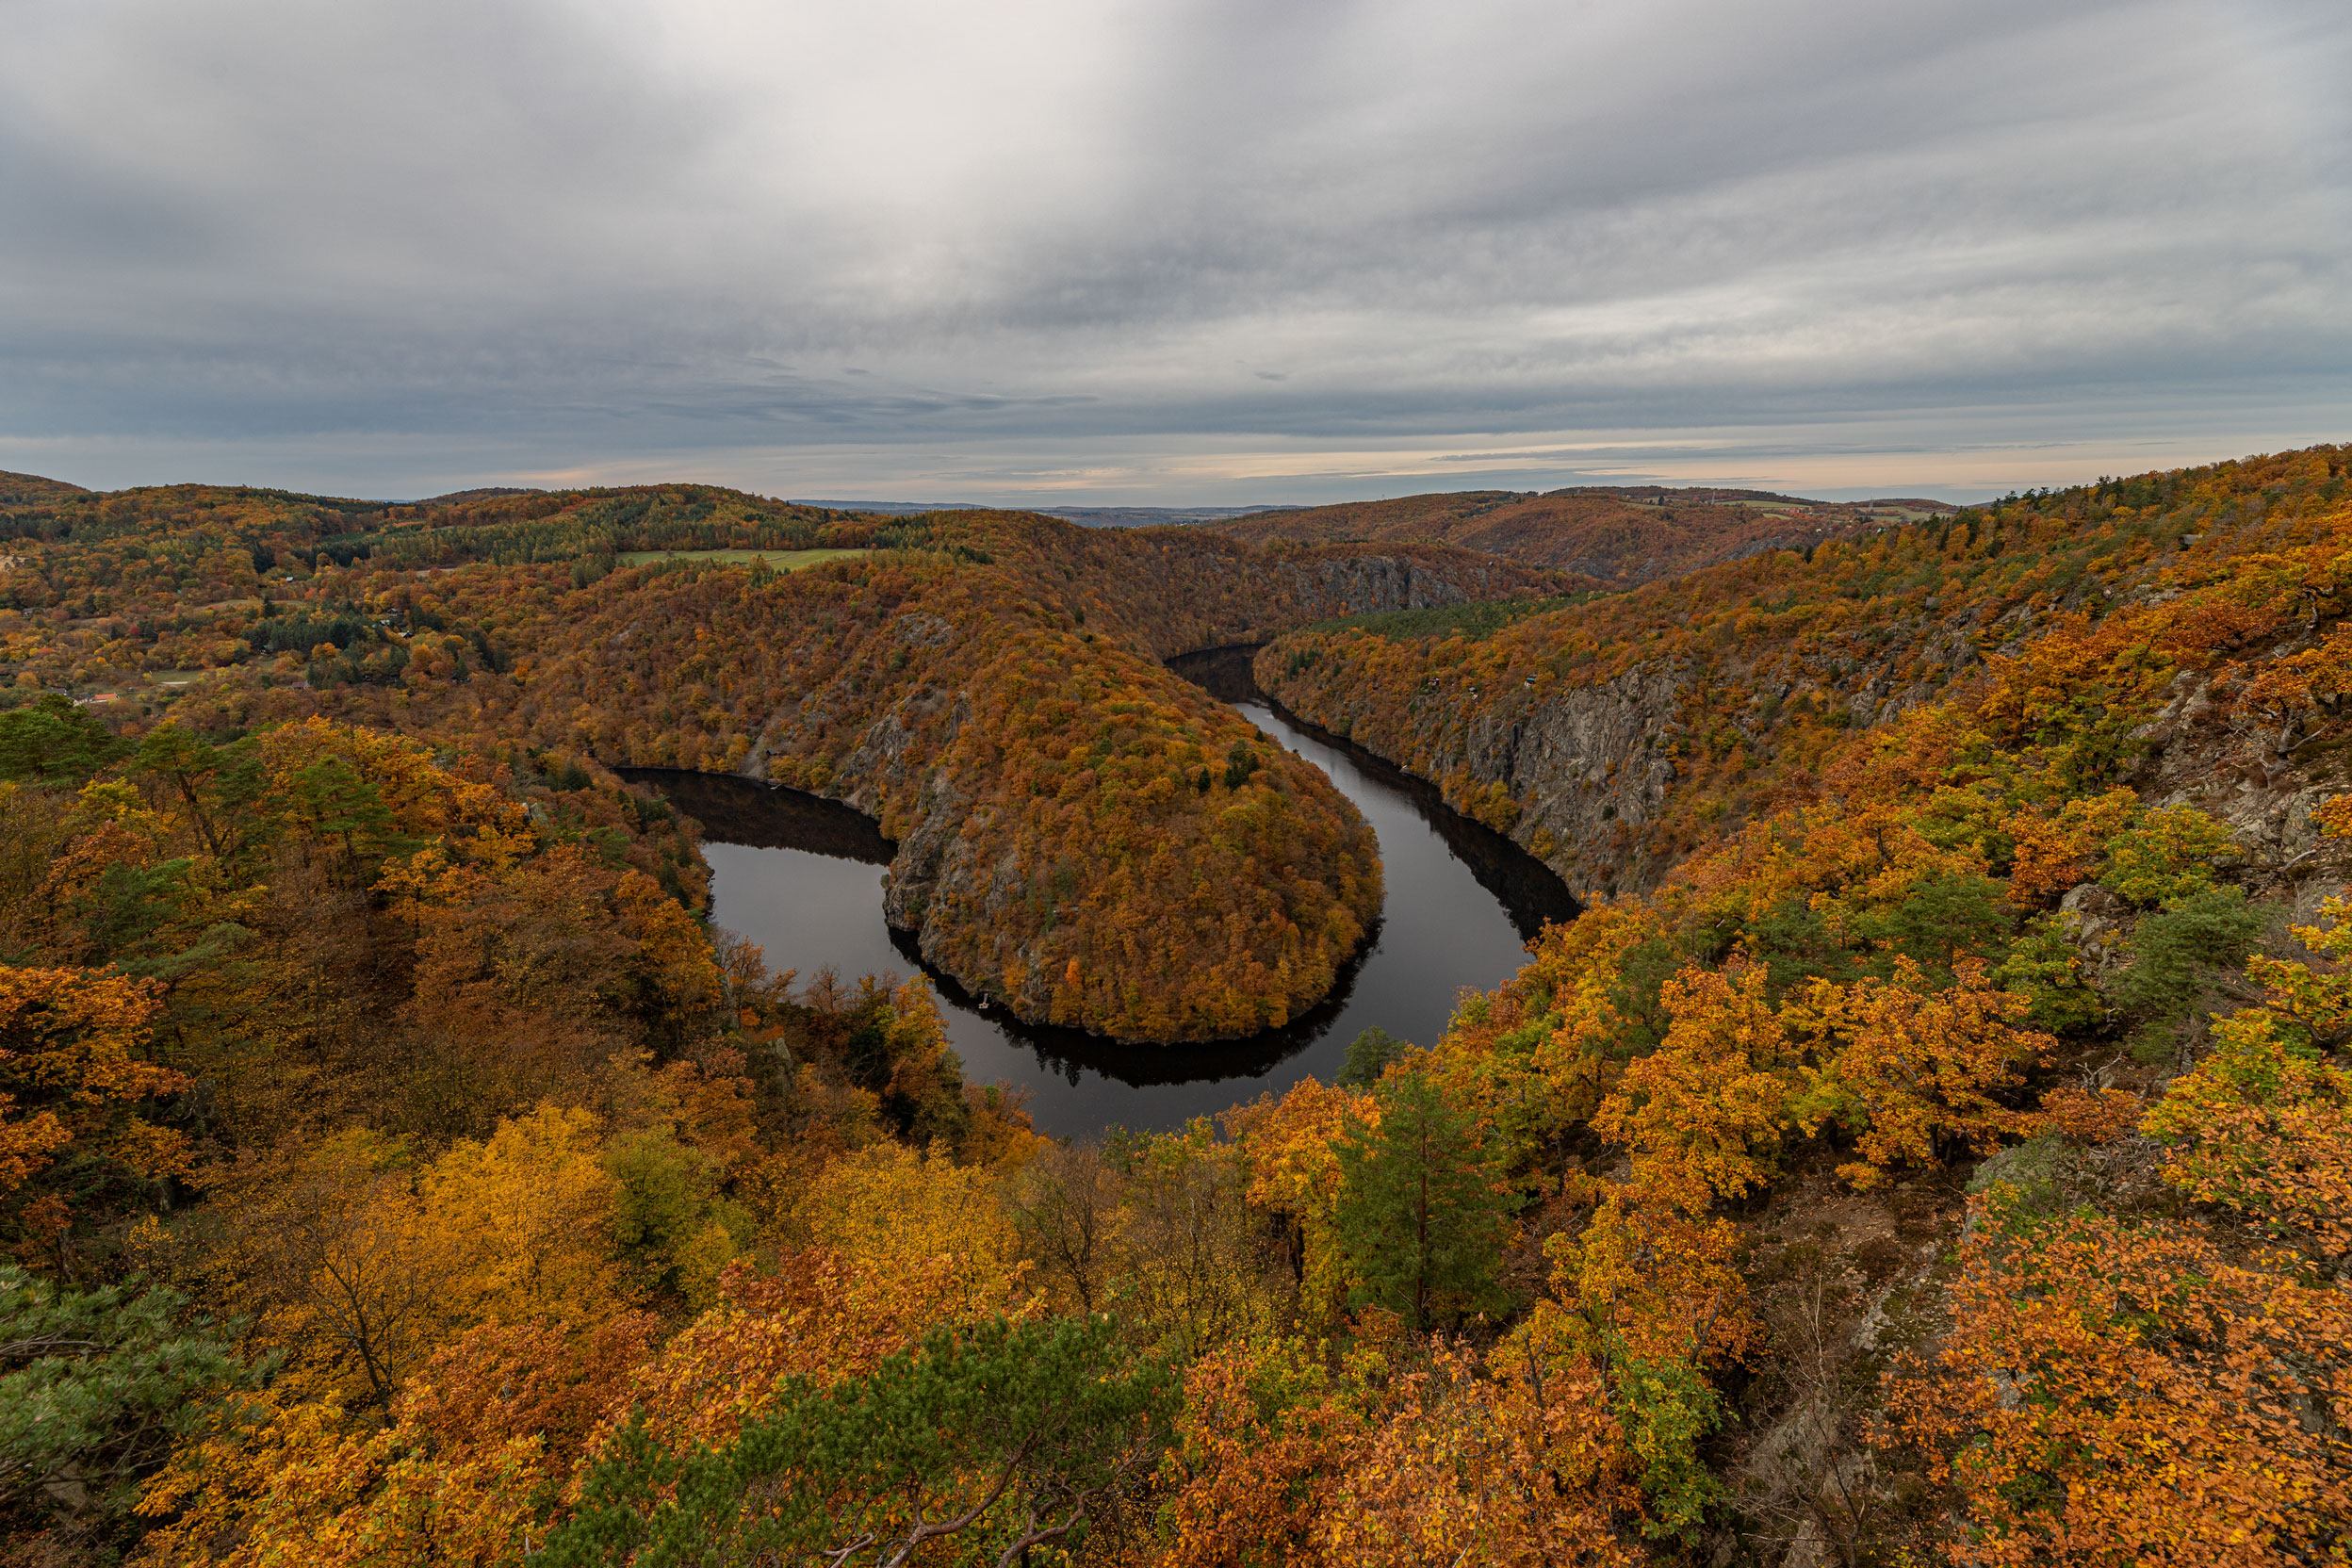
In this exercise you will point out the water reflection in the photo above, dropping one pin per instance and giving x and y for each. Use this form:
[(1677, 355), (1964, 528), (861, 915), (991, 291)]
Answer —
[(802, 877), (1530, 892)]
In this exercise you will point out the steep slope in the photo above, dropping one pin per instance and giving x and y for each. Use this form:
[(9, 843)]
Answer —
[(1950, 1160), (1964, 1141), (32, 490), (1081, 834), (1615, 736), (1617, 536)]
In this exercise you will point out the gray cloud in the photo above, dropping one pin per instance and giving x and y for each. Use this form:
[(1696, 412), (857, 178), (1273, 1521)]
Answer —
[(1165, 250)]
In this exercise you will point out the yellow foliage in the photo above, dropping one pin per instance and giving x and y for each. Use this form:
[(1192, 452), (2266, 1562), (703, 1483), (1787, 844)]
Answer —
[(461, 1474), (1520, 1468), (1535, 1054), (71, 1050), (328, 1249), (1704, 1113), (899, 1211), (1903, 1065), (306, 1490), (2055, 852), (1291, 1149), (1645, 1280), (819, 1314), (529, 1215)]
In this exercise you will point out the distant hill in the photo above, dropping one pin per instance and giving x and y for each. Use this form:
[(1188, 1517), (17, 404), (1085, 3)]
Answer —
[(891, 509), (32, 490), (1084, 516), (487, 492), (1619, 534)]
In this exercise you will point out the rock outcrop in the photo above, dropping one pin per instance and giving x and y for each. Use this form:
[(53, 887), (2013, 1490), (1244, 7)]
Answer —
[(2259, 783), (1590, 766)]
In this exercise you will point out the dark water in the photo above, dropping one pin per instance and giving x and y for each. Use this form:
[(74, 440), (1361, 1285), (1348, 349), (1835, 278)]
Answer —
[(803, 878)]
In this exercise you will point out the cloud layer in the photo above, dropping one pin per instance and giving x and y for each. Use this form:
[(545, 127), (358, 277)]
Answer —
[(1168, 251)]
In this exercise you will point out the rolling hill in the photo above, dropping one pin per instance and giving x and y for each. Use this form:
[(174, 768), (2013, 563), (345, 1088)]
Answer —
[(1621, 536)]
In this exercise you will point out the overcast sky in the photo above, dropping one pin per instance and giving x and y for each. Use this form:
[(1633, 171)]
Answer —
[(1174, 252)]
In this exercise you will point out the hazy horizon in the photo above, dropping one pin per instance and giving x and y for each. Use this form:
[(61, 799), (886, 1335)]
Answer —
[(1056, 503), (1170, 254)]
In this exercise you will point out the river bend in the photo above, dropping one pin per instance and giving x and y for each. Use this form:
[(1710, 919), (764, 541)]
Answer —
[(802, 876)]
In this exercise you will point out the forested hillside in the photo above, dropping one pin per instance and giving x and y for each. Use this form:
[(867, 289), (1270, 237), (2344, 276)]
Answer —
[(1615, 736), (1619, 537), (1935, 1152), (31, 490), (2045, 845), (1082, 835)]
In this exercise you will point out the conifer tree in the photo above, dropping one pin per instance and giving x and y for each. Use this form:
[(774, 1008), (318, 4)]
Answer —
[(1421, 1211)]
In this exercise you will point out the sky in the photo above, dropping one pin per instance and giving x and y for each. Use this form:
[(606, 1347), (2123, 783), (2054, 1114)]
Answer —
[(1178, 253)]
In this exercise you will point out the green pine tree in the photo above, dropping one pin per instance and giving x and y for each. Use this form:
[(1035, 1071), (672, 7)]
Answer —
[(54, 742), (1422, 1214), (1006, 1436), (96, 1388)]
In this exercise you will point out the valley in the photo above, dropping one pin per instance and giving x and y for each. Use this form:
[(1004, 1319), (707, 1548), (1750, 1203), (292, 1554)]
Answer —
[(802, 881), (1632, 1027)]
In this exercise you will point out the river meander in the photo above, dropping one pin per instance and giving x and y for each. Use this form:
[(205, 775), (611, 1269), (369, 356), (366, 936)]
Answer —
[(803, 877)]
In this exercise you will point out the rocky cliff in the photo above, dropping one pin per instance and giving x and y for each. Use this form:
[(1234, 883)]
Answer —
[(1615, 736), (1579, 776)]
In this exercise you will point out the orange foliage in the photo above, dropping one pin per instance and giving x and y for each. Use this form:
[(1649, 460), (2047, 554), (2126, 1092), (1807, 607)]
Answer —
[(2265, 1128), (483, 1435), (2099, 599), (1622, 535), (1290, 1147), (2057, 851), (1262, 1440), (817, 1314), (484, 1085), (2092, 1116), (72, 1055), (1704, 1113), (1521, 1466), (1513, 1458), (1648, 1279), (1904, 1066), (2112, 1393)]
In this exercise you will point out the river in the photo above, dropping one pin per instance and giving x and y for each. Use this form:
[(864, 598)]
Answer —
[(803, 877)]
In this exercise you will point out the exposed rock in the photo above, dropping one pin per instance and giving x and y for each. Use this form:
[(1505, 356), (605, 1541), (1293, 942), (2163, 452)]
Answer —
[(919, 630), (1373, 582), (2036, 1172), (2095, 918), (1590, 764), (1588, 769), (931, 858), (2259, 782)]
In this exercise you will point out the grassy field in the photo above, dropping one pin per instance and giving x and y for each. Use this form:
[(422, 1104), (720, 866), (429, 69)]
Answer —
[(782, 561)]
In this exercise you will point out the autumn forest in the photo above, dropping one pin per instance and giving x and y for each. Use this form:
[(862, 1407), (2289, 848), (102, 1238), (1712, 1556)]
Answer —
[(1932, 1143)]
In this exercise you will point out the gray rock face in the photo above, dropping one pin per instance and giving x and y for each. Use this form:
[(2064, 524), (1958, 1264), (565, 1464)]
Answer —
[(932, 859), (1592, 767), (1589, 765), (2261, 783), (1376, 582), (2098, 922)]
